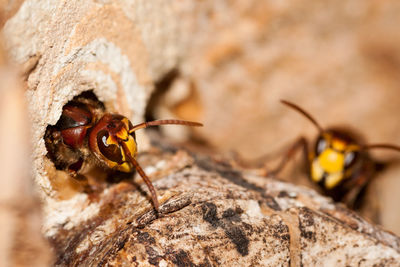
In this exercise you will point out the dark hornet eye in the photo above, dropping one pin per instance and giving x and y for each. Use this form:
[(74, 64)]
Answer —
[(320, 145), (350, 158), (111, 152)]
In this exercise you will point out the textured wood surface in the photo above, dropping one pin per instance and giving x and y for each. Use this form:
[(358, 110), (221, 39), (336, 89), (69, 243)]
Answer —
[(212, 214)]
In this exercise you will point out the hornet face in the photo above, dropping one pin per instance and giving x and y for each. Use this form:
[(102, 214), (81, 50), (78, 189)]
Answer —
[(339, 163), (110, 141), (85, 131), (334, 159)]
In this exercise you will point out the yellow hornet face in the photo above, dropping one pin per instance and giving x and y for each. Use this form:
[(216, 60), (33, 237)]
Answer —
[(333, 157), (106, 141)]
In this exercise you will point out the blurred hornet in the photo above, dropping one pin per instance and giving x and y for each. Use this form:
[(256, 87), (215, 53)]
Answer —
[(86, 133), (339, 163)]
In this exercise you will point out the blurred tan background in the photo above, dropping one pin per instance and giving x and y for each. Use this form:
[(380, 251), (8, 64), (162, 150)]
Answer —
[(340, 60)]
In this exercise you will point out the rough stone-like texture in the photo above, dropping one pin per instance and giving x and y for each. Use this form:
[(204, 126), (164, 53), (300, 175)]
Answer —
[(117, 49), (72, 47), (212, 215)]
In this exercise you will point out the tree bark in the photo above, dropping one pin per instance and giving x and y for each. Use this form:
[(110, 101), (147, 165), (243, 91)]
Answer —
[(212, 214)]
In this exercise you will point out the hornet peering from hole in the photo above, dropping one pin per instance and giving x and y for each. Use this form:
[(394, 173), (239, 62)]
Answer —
[(86, 132)]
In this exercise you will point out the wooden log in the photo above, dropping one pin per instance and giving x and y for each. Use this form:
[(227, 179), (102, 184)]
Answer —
[(212, 214)]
